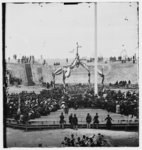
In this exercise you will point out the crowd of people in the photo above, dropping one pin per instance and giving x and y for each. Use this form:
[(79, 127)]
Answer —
[(27, 59), (85, 141), (14, 80), (23, 59), (32, 105), (56, 63), (108, 100), (25, 106), (121, 84)]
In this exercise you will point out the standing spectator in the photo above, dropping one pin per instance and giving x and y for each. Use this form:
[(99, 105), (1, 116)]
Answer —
[(108, 122), (62, 120), (88, 120), (96, 121), (71, 120), (75, 122), (129, 82)]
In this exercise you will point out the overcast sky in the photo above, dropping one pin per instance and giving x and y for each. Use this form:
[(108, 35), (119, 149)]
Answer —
[(52, 30)]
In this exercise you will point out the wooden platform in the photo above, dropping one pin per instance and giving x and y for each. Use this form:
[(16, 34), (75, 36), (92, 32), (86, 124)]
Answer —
[(52, 121)]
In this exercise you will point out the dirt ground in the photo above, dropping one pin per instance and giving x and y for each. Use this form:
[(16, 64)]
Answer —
[(53, 138)]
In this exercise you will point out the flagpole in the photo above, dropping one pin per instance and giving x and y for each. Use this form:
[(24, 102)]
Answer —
[(96, 57)]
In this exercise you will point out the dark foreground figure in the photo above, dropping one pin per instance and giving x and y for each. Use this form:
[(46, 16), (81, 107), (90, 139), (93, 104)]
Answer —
[(85, 141)]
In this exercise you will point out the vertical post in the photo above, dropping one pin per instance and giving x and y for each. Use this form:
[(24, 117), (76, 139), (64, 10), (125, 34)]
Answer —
[(4, 71), (77, 47), (137, 59), (96, 57)]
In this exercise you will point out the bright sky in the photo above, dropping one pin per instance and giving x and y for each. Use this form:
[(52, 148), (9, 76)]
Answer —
[(52, 30)]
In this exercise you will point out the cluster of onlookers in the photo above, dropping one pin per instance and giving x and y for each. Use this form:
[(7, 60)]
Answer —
[(14, 80), (32, 105), (127, 102), (121, 84), (56, 63), (123, 59), (27, 59), (23, 59), (84, 141)]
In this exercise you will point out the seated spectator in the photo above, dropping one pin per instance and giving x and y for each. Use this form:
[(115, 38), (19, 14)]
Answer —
[(72, 140), (78, 143), (92, 144), (83, 140)]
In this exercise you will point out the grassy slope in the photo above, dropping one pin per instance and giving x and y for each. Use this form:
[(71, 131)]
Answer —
[(120, 72)]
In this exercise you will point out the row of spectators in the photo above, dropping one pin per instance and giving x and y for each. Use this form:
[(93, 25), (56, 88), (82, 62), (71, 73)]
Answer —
[(73, 120), (26, 59), (85, 141), (121, 83), (23, 59), (56, 63), (32, 105)]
